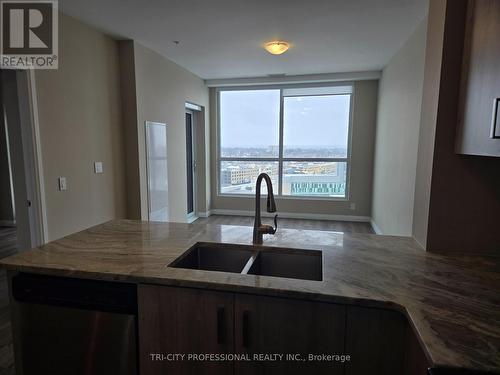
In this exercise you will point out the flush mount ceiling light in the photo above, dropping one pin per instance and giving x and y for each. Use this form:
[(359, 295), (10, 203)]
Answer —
[(277, 47)]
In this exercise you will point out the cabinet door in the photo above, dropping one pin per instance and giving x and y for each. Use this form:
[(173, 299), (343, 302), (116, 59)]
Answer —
[(416, 359), (183, 321), (376, 341), (479, 130), (266, 325)]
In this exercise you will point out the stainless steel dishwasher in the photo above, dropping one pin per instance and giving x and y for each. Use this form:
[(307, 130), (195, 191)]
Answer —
[(75, 326)]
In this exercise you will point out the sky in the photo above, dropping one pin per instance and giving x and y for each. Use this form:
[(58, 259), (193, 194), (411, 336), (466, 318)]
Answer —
[(251, 119)]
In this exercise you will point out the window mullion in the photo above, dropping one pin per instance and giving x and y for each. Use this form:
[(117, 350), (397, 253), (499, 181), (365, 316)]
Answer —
[(280, 163)]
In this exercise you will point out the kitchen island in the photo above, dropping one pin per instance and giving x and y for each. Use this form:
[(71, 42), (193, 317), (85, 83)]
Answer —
[(451, 303)]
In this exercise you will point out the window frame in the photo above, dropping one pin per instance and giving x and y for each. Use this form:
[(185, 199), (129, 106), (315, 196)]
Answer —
[(280, 159)]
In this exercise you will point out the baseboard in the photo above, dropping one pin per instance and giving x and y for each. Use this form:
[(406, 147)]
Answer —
[(204, 214), (375, 227), (7, 223), (191, 219), (292, 215)]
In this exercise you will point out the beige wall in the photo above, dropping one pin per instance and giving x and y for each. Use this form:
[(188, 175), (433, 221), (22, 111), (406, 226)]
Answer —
[(396, 145), (363, 133), (129, 111), (461, 211), (162, 89), (80, 122), (432, 74)]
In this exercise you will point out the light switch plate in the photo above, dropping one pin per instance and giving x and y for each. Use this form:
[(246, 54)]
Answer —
[(63, 186), (98, 167)]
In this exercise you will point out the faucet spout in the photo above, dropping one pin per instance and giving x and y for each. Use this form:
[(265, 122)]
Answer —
[(258, 228)]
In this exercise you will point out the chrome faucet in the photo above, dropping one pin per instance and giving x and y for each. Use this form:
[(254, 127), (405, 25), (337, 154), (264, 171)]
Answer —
[(260, 229)]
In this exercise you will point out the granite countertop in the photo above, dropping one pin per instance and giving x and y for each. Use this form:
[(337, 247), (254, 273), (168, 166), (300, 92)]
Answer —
[(453, 301)]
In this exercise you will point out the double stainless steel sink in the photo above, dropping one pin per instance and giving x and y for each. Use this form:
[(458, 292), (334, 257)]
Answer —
[(253, 260)]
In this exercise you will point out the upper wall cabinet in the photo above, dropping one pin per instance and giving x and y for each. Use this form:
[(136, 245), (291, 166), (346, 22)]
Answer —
[(479, 112)]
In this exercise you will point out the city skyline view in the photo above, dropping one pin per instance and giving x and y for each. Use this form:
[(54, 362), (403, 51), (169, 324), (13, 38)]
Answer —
[(292, 152), (313, 127), (300, 178)]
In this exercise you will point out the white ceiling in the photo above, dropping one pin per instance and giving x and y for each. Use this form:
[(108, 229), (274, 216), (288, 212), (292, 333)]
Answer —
[(224, 38)]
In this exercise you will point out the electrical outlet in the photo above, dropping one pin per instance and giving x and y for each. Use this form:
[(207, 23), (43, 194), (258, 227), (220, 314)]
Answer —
[(98, 167), (63, 186), (352, 206)]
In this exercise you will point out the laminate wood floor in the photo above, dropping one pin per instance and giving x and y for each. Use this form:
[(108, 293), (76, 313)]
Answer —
[(327, 225), (8, 246)]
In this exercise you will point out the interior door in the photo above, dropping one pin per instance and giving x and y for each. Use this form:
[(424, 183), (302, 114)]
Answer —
[(184, 321), (190, 163), (288, 327)]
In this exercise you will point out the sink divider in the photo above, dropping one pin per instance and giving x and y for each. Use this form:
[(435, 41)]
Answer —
[(250, 262)]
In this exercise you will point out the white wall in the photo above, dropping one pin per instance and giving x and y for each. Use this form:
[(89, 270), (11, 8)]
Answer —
[(396, 145)]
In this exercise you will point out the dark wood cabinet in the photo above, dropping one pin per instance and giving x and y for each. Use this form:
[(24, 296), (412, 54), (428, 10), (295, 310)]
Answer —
[(375, 340), (271, 335), (416, 362), (184, 321), (288, 327), (479, 108)]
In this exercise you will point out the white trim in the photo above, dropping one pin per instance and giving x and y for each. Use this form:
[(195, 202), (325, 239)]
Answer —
[(9, 162), (375, 227), (295, 79), (292, 215), (193, 107), (191, 218), (194, 167), (319, 90), (204, 213), (37, 145), (32, 149)]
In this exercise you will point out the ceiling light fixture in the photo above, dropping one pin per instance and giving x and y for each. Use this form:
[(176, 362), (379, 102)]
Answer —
[(277, 47)]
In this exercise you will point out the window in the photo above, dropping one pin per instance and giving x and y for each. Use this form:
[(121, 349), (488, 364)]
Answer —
[(299, 136)]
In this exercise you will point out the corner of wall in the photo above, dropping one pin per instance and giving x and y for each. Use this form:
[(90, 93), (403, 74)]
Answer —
[(430, 98), (396, 150), (126, 50)]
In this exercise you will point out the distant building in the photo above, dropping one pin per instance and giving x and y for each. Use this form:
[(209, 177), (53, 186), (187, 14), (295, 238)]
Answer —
[(299, 178), (312, 168), (234, 175), (237, 175), (331, 184)]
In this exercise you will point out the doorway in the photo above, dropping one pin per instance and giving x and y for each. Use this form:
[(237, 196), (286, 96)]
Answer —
[(190, 164), (22, 205), (22, 216)]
